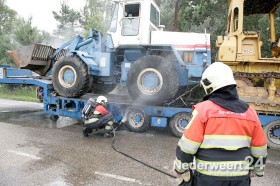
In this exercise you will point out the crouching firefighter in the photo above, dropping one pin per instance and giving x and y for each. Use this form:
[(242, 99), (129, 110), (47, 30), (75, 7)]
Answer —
[(96, 117), (224, 136)]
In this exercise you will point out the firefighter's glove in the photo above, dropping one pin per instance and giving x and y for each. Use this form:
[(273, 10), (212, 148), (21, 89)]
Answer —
[(91, 120), (184, 179), (109, 127), (257, 171), (110, 123)]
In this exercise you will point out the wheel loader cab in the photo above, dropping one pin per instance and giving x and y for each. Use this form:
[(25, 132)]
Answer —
[(132, 22), (245, 45)]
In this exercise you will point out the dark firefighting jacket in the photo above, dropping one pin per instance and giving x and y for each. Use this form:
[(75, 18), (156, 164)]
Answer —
[(99, 119)]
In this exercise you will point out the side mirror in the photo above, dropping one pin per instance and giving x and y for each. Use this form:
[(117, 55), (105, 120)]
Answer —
[(161, 27)]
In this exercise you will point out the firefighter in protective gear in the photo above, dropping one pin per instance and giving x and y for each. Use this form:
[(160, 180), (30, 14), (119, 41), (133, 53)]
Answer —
[(101, 118), (224, 135)]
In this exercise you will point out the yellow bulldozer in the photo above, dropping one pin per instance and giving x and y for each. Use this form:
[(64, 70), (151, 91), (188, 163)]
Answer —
[(257, 77)]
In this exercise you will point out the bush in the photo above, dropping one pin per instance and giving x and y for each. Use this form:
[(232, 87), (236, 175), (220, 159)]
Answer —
[(18, 92)]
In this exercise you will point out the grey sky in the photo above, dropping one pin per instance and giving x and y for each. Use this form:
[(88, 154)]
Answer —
[(41, 10)]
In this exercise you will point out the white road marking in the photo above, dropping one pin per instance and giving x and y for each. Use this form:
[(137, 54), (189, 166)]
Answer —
[(122, 178), (24, 154)]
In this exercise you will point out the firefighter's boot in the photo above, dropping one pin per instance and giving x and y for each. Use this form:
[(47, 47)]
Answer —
[(86, 131), (109, 131)]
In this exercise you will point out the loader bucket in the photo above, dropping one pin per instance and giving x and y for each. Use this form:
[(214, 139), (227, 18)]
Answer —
[(35, 57)]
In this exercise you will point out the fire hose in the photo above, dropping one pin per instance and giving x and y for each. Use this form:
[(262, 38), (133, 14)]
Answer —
[(139, 161)]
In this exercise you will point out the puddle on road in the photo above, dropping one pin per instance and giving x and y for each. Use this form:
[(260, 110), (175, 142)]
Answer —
[(35, 118)]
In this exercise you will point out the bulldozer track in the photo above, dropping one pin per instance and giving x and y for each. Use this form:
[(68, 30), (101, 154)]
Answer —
[(257, 75), (246, 76)]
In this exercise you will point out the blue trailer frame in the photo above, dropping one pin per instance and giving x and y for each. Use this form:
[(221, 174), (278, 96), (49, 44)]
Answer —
[(119, 106), (72, 107)]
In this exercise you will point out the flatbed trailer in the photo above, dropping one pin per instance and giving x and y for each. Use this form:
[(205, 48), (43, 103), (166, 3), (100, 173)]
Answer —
[(136, 117)]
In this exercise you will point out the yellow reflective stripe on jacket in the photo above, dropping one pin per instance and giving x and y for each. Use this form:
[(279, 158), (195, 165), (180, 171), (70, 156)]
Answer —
[(223, 168), (228, 142), (194, 114), (188, 146), (181, 167), (96, 112), (92, 120), (259, 151)]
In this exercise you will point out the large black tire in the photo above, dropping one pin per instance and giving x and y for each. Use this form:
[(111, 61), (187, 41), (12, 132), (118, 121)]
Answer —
[(136, 120), (152, 80), (70, 77), (99, 88), (178, 123), (271, 131)]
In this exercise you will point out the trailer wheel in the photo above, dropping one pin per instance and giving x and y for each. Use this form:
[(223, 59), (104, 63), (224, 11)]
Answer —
[(136, 120), (178, 123), (54, 117), (272, 134), (152, 80), (70, 77)]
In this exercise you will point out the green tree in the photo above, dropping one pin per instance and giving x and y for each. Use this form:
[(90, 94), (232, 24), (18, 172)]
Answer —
[(167, 9), (204, 15), (96, 15), (69, 22), (7, 17), (211, 15), (26, 34)]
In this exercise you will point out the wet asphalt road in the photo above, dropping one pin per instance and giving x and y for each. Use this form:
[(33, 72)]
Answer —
[(37, 151)]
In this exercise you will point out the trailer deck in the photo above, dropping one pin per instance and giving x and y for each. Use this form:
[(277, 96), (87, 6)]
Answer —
[(136, 116)]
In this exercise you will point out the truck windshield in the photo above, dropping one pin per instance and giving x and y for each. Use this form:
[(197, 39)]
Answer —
[(114, 20), (131, 20)]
